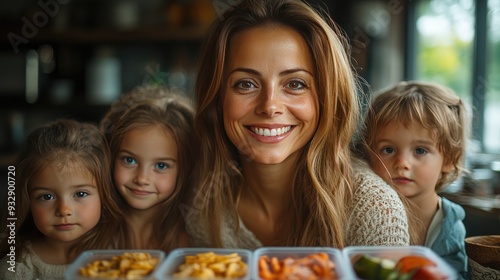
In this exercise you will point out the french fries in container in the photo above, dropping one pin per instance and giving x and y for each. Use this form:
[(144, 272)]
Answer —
[(205, 263), (115, 264)]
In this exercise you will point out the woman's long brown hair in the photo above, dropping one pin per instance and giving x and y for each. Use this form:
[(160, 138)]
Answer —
[(323, 184)]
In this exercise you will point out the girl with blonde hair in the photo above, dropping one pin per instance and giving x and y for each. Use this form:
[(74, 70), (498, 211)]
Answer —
[(150, 134)]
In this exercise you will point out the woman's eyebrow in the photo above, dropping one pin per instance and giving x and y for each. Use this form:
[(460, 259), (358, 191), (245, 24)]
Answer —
[(295, 70), (247, 70), (283, 73)]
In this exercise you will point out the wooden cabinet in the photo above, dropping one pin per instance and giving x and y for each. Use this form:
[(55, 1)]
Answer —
[(73, 58)]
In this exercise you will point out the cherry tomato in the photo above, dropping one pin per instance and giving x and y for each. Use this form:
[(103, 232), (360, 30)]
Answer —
[(428, 272), (409, 263)]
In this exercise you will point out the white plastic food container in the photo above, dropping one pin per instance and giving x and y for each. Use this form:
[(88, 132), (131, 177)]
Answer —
[(281, 253), (73, 272), (395, 253), (177, 257)]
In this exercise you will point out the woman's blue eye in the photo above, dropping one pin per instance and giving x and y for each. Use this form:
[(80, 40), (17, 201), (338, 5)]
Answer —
[(129, 160), (81, 194), (161, 166)]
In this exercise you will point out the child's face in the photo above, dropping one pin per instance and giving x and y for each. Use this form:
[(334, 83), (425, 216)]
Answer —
[(64, 201), (408, 159), (146, 167)]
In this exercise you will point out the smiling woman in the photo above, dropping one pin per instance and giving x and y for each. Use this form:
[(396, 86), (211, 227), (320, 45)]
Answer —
[(276, 110)]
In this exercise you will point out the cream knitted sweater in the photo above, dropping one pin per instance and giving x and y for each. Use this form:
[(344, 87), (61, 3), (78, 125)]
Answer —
[(377, 217), (32, 267)]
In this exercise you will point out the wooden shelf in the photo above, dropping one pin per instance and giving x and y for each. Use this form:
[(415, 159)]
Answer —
[(73, 106), (91, 36)]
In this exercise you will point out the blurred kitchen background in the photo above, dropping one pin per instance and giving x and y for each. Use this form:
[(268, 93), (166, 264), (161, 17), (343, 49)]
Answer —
[(72, 58)]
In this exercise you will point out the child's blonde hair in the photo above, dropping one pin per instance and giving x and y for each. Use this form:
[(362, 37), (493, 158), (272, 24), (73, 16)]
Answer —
[(434, 107), (174, 112), (65, 142)]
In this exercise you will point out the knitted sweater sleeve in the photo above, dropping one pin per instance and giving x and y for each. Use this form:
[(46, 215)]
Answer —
[(377, 214), (31, 267)]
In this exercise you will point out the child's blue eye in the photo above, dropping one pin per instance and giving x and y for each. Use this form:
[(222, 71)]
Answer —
[(388, 150), (420, 151), (46, 197), (81, 194), (161, 166), (129, 160)]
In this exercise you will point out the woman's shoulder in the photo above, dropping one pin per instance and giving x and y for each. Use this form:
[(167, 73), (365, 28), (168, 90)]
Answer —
[(377, 215), (368, 184), (361, 169)]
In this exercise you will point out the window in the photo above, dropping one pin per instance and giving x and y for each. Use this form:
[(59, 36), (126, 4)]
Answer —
[(457, 43), (492, 110)]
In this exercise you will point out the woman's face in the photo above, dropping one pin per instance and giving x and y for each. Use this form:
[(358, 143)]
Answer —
[(270, 104)]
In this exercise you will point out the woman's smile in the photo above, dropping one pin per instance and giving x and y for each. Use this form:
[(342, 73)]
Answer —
[(270, 135)]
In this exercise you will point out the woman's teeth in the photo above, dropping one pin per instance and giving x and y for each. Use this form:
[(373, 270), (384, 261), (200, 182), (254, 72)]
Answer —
[(270, 132)]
